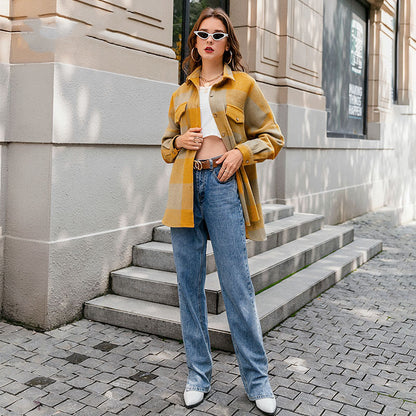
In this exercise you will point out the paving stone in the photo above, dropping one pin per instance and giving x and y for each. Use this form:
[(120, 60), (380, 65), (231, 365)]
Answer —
[(22, 406), (309, 410), (52, 399), (76, 394), (113, 406), (285, 413), (14, 388), (221, 410), (40, 382), (300, 386), (327, 404), (57, 387), (105, 377), (116, 394), (136, 411), (7, 399), (221, 398), (70, 406), (330, 413), (89, 411), (391, 410), (371, 405), (41, 411), (409, 406), (287, 404), (156, 405), (80, 382), (324, 392)]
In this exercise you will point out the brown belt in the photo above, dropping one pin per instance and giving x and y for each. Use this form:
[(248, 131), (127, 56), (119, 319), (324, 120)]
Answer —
[(205, 164)]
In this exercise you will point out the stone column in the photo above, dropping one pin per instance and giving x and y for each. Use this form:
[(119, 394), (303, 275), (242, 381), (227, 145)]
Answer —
[(5, 39), (380, 105), (89, 92), (283, 42), (380, 97)]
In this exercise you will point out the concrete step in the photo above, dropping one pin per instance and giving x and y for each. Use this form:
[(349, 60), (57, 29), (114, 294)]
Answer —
[(274, 212), (266, 269), (159, 254), (271, 213), (274, 304), (280, 301)]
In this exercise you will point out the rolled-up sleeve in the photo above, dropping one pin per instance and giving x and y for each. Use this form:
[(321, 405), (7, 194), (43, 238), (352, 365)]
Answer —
[(264, 138), (169, 152)]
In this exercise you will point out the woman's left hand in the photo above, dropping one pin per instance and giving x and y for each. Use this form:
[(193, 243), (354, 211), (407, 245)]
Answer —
[(231, 161)]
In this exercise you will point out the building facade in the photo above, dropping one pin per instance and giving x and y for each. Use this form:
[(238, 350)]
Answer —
[(85, 89)]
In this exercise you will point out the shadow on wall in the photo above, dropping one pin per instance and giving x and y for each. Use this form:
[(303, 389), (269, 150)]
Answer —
[(341, 178), (4, 134), (108, 180), (400, 169)]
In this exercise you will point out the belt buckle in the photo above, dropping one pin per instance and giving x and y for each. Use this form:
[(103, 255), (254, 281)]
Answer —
[(197, 165)]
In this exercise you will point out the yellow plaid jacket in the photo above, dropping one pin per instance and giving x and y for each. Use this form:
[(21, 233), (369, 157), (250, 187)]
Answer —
[(245, 121)]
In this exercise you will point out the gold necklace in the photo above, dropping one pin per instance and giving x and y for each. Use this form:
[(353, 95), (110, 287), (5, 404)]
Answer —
[(208, 81)]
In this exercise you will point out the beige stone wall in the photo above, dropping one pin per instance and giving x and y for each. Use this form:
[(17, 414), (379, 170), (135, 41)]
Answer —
[(380, 62), (89, 84), (340, 178), (279, 51), (411, 40), (119, 36), (380, 65), (5, 34)]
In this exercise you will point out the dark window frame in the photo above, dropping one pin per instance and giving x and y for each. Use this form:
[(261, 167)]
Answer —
[(396, 55), (346, 134), (186, 27)]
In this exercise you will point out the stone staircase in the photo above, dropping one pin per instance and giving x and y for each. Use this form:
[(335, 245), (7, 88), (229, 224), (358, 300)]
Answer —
[(300, 259)]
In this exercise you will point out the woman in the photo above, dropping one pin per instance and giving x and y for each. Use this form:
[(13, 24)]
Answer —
[(220, 126)]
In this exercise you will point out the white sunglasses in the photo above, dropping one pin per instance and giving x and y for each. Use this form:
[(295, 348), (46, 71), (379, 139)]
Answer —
[(205, 35)]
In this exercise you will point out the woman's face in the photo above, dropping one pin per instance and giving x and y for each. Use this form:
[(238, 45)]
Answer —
[(211, 49)]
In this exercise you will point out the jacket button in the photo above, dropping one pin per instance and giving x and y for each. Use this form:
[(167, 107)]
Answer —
[(215, 115), (223, 134), (237, 119)]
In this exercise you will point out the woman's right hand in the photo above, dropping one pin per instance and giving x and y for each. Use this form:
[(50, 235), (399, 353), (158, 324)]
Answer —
[(191, 140)]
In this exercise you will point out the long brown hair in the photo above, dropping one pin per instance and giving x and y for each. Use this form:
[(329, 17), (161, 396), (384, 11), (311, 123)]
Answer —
[(189, 64)]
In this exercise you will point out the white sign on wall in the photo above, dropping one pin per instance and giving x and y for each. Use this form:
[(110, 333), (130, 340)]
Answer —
[(355, 109), (357, 46)]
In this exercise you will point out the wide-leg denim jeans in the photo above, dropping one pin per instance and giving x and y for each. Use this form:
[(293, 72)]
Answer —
[(218, 212)]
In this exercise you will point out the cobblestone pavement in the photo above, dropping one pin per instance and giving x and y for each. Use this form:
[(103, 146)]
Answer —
[(349, 352)]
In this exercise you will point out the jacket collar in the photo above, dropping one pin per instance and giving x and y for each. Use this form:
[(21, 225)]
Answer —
[(194, 76)]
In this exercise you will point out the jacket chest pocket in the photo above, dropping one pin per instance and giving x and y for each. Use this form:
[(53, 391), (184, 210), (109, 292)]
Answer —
[(180, 117), (235, 117)]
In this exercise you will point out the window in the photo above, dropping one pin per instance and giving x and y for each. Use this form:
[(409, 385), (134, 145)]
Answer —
[(185, 14), (344, 67), (395, 58)]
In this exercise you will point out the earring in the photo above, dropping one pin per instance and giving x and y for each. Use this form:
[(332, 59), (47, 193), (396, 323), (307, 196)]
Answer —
[(231, 57), (192, 55)]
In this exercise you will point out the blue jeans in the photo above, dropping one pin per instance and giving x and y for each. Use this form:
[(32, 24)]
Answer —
[(218, 213)]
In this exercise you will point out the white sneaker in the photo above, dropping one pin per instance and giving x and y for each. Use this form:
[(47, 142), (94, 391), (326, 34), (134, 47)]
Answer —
[(193, 398), (267, 405)]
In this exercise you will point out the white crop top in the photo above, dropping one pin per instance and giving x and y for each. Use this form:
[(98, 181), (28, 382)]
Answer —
[(209, 127)]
